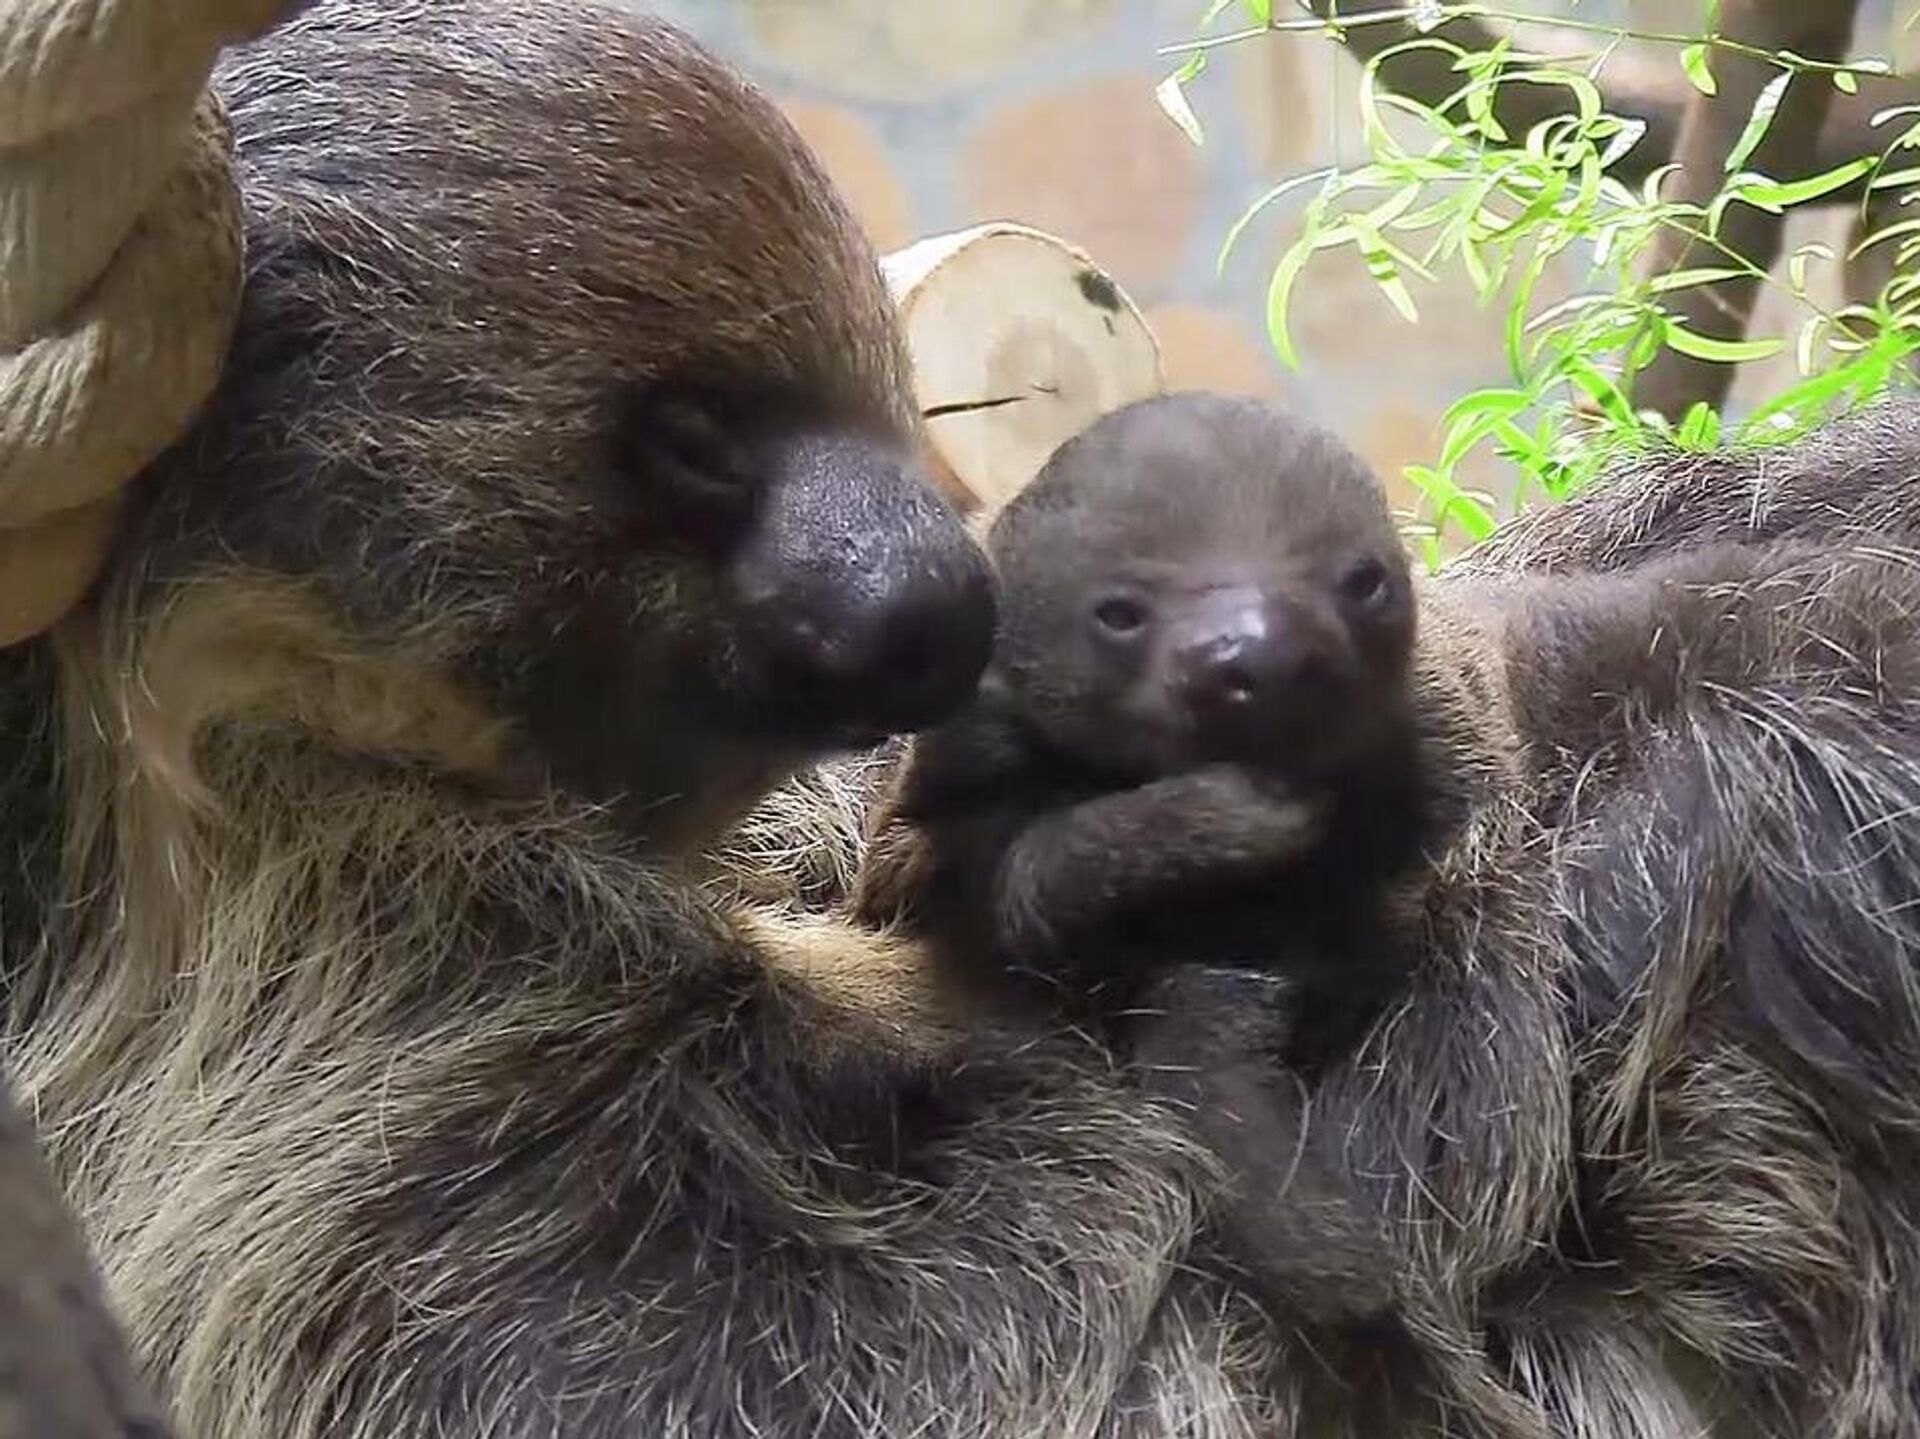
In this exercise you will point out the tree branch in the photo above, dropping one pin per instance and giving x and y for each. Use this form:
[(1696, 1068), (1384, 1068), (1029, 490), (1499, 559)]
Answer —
[(1651, 91), (1673, 382)]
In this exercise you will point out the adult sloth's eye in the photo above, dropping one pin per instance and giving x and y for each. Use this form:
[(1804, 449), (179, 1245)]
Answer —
[(1120, 616), (688, 459)]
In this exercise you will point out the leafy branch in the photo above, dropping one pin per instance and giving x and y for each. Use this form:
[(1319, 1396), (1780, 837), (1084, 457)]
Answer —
[(1667, 188)]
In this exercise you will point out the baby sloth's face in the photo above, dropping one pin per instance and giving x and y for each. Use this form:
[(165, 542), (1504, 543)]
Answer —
[(1246, 603)]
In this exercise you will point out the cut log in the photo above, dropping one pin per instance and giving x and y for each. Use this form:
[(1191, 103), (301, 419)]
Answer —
[(1019, 342)]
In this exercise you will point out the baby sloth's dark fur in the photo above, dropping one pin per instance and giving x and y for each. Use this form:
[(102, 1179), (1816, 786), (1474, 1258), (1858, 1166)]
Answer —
[(1202, 874), (396, 1028)]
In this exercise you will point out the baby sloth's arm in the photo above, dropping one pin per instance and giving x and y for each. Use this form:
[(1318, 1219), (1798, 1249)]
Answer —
[(1077, 868), (1207, 1042)]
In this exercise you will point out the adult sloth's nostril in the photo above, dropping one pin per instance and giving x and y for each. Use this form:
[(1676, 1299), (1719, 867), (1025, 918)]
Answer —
[(871, 609), (883, 660)]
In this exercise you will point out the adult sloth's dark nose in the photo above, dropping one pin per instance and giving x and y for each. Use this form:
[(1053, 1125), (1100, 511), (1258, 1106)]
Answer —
[(866, 607)]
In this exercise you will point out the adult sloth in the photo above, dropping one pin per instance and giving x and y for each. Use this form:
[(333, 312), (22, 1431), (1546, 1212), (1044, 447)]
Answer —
[(555, 502)]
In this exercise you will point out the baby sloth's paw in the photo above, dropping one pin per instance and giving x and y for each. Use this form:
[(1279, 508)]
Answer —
[(1240, 819)]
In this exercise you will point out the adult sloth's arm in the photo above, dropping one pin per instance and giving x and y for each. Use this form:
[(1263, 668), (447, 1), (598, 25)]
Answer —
[(575, 1153)]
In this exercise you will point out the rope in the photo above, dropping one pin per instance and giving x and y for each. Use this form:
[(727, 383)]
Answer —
[(120, 267)]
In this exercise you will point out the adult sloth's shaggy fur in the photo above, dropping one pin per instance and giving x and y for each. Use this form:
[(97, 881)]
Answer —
[(359, 968), (1723, 817), (1641, 1139)]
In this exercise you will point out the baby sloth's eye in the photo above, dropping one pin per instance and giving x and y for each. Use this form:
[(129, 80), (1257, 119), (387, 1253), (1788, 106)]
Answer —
[(1365, 581), (1120, 615)]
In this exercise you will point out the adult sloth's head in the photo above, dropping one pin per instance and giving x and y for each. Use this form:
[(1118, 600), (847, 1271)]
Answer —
[(597, 428)]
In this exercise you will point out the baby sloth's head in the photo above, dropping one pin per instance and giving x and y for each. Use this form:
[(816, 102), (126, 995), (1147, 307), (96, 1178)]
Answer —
[(1197, 579)]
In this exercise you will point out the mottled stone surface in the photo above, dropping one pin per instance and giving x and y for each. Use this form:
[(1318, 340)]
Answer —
[(851, 149), (1202, 348), (1283, 105), (1094, 161), (886, 50), (936, 116)]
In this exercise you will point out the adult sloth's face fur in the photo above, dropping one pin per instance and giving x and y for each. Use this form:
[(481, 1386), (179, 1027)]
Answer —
[(622, 457)]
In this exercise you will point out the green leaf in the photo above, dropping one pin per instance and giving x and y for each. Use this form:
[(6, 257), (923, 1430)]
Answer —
[(1585, 92), (1480, 110), (1213, 12), (1902, 291), (1572, 305), (1845, 82), (1808, 337), (1450, 502), (1392, 208), (1778, 195), (1479, 402), (1650, 187), (1890, 179), (1517, 304), (1700, 428), (1425, 548), (1797, 263), (1173, 99), (1279, 288), (1809, 394), (1717, 211), (1758, 121), (1258, 11), (1485, 281), (1623, 139), (1327, 175), (1383, 264), (1684, 279), (1431, 553), (1892, 112), (1605, 393), (1373, 96), (1693, 60), (1472, 418), (1882, 235), (1705, 347)]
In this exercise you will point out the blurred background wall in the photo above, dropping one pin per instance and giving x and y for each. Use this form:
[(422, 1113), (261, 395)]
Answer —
[(936, 114)]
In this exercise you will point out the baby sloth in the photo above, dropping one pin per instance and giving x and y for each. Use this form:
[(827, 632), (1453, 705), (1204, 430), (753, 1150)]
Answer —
[(1187, 779)]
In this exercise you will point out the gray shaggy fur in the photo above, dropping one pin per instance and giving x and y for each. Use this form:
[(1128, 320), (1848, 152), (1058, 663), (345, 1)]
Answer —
[(407, 1079), (409, 1085), (1643, 1128)]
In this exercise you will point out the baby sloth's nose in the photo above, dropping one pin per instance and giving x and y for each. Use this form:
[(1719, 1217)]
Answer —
[(1244, 661)]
